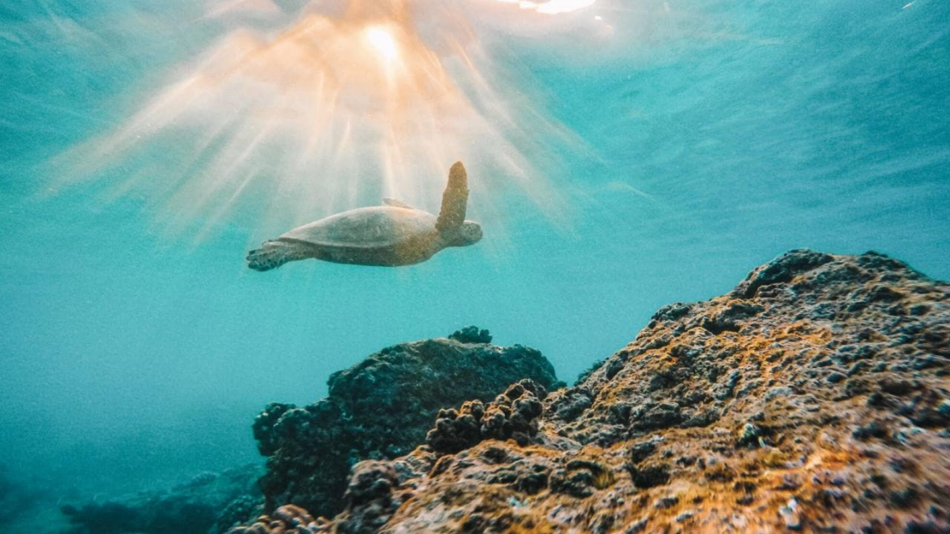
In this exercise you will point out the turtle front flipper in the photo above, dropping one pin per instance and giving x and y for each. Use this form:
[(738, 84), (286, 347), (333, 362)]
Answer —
[(454, 199)]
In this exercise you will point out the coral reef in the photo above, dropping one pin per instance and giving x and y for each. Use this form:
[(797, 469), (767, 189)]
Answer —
[(381, 409), (813, 397), (208, 503)]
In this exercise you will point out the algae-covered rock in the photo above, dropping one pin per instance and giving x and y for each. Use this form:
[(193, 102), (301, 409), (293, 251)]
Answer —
[(380, 409), (513, 415), (813, 397), (285, 520)]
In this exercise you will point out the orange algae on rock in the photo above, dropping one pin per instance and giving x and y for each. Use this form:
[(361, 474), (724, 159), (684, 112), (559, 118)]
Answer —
[(814, 397)]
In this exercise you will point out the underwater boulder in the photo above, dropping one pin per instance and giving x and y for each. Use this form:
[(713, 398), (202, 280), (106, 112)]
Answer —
[(380, 409), (207, 503)]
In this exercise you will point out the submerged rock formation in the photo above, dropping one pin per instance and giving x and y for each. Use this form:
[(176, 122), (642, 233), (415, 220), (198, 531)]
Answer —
[(815, 396), (22, 498), (208, 503), (381, 409)]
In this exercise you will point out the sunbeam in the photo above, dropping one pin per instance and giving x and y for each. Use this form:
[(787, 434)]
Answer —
[(551, 7), (332, 111)]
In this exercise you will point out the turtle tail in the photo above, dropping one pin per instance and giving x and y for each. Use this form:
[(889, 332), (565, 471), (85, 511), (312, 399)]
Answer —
[(454, 199), (273, 254)]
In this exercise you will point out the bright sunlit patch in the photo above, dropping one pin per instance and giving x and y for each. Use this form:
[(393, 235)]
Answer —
[(556, 7), (551, 7), (287, 127), (383, 41)]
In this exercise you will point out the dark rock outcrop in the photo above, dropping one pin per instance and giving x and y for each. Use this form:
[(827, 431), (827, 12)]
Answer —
[(21, 498), (814, 397), (208, 503), (381, 409), (471, 334)]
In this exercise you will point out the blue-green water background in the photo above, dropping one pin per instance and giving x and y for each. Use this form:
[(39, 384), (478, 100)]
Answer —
[(129, 357)]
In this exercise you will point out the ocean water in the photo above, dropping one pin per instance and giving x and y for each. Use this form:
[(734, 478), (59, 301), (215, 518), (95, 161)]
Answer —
[(622, 155)]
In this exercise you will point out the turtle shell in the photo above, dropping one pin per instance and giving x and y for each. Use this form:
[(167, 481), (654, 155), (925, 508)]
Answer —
[(366, 228)]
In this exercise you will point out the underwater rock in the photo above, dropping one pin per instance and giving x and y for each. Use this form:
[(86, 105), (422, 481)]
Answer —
[(381, 409), (285, 520), (369, 497), (720, 416), (471, 334), (238, 511), (513, 415), (208, 503), (22, 498)]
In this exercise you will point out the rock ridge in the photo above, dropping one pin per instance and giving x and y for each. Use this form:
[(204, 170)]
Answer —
[(815, 396)]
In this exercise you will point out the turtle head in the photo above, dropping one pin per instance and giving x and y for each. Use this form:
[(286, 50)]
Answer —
[(468, 233)]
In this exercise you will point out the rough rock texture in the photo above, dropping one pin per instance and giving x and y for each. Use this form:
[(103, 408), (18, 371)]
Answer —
[(208, 503), (513, 415), (380, 409), (286, 519), (814, 397)]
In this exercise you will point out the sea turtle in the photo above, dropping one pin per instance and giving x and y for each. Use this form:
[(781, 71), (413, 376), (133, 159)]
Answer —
[(390, 235)]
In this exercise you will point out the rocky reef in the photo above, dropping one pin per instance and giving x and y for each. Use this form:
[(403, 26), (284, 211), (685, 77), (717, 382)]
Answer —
[(208, 503), (815, 396), (22, 499), (381, 409)]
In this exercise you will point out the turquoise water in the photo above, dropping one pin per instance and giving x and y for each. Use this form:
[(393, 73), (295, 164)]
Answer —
[(696, 140)]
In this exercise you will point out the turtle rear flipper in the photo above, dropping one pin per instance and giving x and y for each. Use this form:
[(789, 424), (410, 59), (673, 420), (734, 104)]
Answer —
[(273, 254), (454, 199)]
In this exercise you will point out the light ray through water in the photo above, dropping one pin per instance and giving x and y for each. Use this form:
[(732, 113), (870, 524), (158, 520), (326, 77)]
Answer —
[(332, 112)]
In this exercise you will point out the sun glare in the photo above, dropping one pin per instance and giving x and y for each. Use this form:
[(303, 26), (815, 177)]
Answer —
[(551, 7), (292, 126), (383, 42)]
